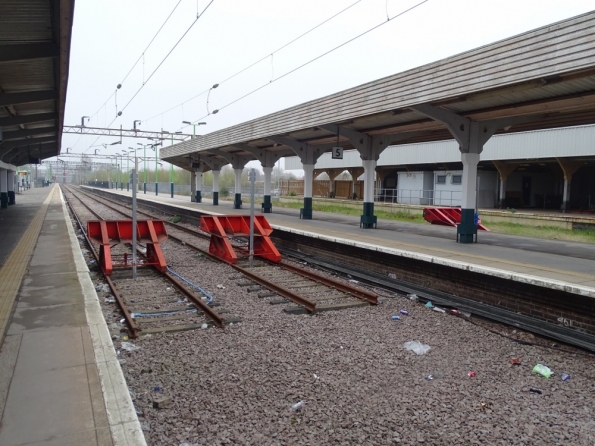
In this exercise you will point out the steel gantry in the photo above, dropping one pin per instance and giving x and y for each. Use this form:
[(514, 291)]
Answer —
[(123, 133)]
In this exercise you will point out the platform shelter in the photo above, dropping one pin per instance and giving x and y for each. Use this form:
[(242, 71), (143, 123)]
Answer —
[(540, 79)]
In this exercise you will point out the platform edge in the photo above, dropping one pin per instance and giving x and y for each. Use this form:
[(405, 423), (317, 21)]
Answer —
[(124, 425)]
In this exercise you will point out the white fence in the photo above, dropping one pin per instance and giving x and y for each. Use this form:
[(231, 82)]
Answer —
[(419, 197)]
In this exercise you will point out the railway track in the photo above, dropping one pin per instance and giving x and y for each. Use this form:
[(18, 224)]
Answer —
[(310, 291), (561, 333), (154, 303)]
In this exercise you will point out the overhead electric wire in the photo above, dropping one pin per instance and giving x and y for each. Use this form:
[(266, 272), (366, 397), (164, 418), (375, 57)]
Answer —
[(259, 60), (198, 16), (139, 58), (318, 57), (154, 37)]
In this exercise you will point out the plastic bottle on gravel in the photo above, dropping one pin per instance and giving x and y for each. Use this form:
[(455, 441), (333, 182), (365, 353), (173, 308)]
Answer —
[(297, 406)]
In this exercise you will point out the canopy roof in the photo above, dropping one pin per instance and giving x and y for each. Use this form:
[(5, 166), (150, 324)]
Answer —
[(34, 57), (546, 75)]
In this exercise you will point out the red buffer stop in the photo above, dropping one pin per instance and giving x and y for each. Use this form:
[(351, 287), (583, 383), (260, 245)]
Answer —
[(223, 227), (107, 233)]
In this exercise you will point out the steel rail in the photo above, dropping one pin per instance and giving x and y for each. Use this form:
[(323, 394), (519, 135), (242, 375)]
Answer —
[(208, 311), (308, 304), (353, 291), (327, 281), (281, 291), (133, 328), (501, 315)]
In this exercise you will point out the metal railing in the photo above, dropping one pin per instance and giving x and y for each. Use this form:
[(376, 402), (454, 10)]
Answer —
[(419, 197)]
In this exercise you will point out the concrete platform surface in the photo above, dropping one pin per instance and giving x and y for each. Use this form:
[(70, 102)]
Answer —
[(55, 380), (569, 266)]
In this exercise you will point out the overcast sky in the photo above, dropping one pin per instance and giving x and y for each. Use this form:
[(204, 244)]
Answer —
[(109, 36)]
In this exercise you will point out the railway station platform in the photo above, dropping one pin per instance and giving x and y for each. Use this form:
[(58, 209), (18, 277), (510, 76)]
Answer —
[(559, 265), (60, 380)]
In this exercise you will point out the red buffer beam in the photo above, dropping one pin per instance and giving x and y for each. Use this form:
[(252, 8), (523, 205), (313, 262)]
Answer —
[(222, 228)]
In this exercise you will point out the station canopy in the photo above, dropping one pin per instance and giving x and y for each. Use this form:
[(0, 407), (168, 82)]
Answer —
[(545, 77), (34, 57)]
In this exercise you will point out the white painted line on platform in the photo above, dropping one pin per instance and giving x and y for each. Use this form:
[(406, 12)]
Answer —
[(124, 425)]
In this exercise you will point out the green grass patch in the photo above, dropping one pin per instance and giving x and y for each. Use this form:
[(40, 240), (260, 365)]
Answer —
[(546, 232), (348, 210)]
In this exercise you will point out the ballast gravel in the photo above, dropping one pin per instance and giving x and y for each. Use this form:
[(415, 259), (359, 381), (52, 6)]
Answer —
[(358, 384)]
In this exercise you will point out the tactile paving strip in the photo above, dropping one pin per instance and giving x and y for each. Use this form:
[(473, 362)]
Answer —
[(13, 270)]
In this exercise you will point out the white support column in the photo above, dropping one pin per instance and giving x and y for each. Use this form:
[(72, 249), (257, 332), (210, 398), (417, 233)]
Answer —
[(198, 179), (216, 187), (10, 186), (267, 207), (566, 194), (369, 178), (192, 186), (306, 211), (470, 161), (502, 197), (368, 219), (237, 202), (268, 174), (3, 188)]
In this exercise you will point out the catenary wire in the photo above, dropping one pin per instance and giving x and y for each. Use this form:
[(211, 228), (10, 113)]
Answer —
[(137, 61), (260, 60), (198, 16), (154, 37), (168, 54), (318, 57)]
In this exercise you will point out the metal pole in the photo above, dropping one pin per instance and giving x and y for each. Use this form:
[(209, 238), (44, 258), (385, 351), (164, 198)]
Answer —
[(171, 173), (145, 167), (128, 169), (134, 187), (252, 180), (156, 173)]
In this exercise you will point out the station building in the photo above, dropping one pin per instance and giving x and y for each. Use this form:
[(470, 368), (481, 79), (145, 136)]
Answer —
[(520, 170)]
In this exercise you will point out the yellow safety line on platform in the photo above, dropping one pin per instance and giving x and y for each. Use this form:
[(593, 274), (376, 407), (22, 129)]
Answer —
[(13, 270)]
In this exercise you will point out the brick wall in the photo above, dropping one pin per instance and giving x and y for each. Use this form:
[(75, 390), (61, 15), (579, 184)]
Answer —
[(550, 305)]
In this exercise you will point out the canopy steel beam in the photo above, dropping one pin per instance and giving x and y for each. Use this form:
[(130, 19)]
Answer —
[(12, 53), (27, 97), (26, 142), (21, 134), (27, 119)]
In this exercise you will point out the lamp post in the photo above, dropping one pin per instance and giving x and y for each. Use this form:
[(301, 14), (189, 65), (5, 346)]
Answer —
[(119, 168), (194, 125), (156, 146), (128, 166), (144, 165)]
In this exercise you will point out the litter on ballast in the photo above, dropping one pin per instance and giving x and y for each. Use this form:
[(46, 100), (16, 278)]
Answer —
[(412, 297), (204, 326), (221, 287), (542, 370), (429, 304), (416, 347), (129, 347)]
